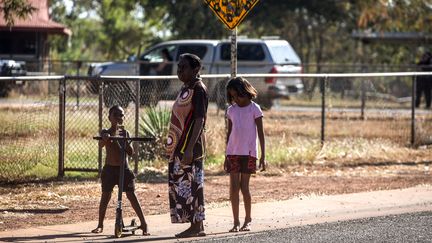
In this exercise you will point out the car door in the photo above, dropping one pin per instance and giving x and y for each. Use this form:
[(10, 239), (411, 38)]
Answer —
[(151, 60)]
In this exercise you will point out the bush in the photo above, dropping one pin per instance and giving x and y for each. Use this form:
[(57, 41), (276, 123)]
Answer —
[(154, 123)]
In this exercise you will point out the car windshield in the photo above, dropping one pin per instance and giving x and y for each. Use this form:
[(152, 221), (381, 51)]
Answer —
[(283, 53)]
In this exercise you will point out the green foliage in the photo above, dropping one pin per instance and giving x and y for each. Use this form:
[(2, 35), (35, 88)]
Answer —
[(13, 9), (320, 31), (154, 123)]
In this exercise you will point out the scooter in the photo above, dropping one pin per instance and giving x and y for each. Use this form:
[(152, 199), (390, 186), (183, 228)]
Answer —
[(119, 227)]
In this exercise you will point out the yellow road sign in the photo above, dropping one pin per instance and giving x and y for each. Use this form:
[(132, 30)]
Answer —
[(231, 12)]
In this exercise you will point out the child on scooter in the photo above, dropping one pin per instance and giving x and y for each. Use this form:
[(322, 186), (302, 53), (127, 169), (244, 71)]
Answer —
[(110, 172)]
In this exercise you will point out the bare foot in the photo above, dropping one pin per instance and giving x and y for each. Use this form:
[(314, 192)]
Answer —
[(98, 230), (234, 229), (144, 229), (190, 232)]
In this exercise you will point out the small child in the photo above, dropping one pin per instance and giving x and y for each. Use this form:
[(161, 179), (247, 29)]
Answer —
[(244, 122), (110, 172)]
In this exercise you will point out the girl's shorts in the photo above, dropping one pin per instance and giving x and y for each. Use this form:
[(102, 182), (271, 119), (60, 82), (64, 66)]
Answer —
[(241, 164)]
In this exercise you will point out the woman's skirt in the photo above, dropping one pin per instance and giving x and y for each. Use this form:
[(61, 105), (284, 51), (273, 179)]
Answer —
[(186, 191)]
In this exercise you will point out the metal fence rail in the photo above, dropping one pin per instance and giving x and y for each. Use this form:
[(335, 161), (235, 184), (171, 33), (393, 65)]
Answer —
[(55, 117)]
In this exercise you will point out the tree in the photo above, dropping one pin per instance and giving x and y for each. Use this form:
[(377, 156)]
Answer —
[(13, 9)]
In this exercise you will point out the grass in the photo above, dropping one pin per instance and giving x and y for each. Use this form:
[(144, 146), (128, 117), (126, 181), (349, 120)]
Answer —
[(333, 100), (29, 140)]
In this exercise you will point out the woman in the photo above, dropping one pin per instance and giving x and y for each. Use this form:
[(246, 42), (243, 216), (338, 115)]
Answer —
[(186, 149)]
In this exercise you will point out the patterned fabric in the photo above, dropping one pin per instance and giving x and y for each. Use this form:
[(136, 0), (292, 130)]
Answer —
[(241, 164), (186, 184), (186, 192)]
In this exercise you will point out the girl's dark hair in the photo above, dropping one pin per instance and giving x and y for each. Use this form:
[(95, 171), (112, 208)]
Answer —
[(242, 87), (193, 60)]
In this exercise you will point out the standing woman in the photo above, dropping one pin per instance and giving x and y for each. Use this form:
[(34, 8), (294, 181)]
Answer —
[(186, 148)]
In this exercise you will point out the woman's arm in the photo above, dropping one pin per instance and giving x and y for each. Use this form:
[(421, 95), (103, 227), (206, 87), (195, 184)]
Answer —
[(197, 128), (260, 130)]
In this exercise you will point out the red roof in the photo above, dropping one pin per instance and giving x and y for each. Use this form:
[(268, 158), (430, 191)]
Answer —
[(39, 21)]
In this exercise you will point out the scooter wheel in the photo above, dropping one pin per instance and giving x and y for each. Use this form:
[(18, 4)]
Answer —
[(133, 223), (118, 231)]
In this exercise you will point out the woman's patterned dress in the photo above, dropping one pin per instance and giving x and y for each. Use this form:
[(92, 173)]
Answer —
[(186, 183)]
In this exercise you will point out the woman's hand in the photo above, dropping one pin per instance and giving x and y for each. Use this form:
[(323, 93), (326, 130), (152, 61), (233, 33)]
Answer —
[(187, 157)]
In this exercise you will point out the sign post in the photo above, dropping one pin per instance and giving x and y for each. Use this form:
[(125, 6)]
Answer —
[(231, 13), (234, 53)]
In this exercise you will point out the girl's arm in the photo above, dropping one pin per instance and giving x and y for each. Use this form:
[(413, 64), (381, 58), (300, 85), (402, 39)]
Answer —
[(229, 130), (227, 139), (188, 154), (260, 130)]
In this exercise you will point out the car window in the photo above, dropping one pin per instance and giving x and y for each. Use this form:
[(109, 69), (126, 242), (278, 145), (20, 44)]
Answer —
[(245, 52), (156, 54), (283, 53), (199, 50)]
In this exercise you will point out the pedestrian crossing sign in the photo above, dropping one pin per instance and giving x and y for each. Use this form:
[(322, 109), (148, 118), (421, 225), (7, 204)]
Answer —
[(231, 12)]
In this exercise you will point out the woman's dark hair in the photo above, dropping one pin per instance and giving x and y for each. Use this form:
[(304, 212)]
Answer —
[(193, 60), (242, 87)]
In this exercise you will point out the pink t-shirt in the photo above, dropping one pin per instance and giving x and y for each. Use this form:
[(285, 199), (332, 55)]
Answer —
[(242, 140)]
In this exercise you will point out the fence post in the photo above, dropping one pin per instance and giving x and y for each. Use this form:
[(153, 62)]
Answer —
[(62, 110), (413, 97), (100, 110), (323, 105), (78, 81), (137, 106)]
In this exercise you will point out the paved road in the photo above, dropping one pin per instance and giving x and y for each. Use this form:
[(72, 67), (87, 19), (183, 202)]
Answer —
[(279, 221), (411, 227)]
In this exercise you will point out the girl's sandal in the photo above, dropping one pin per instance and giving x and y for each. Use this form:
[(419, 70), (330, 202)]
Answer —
[(235, 229), (98, 230), (246, 226)]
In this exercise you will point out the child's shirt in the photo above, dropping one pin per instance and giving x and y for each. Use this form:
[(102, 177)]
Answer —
[(242, 140)]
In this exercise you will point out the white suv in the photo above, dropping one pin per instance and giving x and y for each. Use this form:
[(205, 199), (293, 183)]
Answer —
[(253, 56)]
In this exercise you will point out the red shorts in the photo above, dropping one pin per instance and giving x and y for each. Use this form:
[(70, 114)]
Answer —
[(241, 164)]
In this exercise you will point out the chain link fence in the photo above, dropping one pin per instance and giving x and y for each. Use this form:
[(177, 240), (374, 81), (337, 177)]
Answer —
[(48, 123)]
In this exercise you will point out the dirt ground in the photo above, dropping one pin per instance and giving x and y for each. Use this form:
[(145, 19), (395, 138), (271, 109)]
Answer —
[(61, 202)]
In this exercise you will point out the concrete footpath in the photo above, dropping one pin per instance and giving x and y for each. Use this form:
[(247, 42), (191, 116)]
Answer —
[(301, 210)]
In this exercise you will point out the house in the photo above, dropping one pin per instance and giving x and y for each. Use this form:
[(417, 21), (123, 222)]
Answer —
[(27, 40)]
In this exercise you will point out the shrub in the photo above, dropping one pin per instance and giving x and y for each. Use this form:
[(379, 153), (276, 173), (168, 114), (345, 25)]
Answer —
[(154, 123)]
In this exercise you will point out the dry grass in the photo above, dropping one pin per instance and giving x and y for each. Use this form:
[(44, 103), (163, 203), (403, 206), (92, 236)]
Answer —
[(291, 137)]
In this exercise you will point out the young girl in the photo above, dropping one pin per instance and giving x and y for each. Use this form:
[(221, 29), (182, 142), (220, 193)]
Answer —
[(244, 122)]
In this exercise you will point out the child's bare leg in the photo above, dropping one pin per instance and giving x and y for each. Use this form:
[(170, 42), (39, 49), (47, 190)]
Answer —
[(247, 199), (137, 208), (235, 200), (105, 198)]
